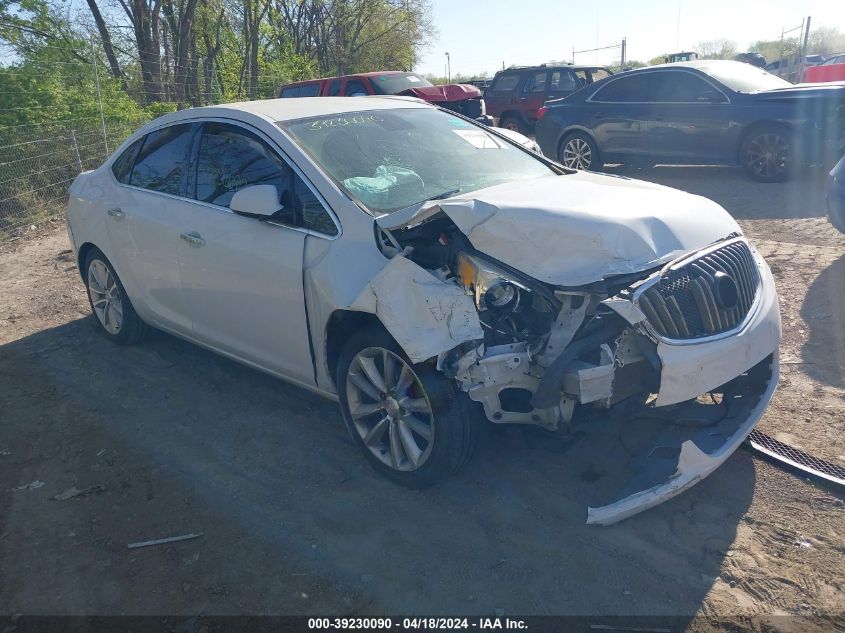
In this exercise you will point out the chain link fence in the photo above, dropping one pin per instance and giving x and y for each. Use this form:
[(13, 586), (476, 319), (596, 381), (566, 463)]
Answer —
[(40, 158)]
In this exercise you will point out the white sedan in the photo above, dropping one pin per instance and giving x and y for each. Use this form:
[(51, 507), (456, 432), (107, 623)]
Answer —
[(433, 275)]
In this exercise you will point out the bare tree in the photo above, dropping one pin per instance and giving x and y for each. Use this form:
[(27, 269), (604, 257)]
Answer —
[(716, 49), (144, 16), (180, 19), (105, 37)]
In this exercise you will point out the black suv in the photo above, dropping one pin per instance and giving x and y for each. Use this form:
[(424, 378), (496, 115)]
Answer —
[(518, 92)]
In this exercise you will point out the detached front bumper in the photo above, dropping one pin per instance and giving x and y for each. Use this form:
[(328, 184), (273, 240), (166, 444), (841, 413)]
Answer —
[(680, 457), (697, 435)]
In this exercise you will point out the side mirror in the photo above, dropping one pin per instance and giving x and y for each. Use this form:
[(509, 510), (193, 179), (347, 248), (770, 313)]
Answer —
[(257, 201)]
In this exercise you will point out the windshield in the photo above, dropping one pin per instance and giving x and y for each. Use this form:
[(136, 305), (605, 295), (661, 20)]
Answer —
[(397, 82), (392, 159), (744, 77)]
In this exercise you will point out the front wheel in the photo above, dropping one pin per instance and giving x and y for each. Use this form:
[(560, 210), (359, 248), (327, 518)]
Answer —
[(579, 151), (768, 154), (410, 421), (836, 213), (514, 124)]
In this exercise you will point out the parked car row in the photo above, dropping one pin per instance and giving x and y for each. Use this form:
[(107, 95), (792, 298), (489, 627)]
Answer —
[(696, 112), (462, 98)]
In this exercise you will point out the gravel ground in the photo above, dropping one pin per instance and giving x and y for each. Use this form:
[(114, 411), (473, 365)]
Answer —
[(176, 440)]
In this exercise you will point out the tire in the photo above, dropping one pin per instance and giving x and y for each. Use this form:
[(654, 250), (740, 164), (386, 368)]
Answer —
[(836, 215), (113, 310), (413, 447), (578, 150), (768, 154), (514, 123)]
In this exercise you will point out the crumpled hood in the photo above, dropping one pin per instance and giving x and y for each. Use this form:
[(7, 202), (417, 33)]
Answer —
[(439, 94), (575, 229)]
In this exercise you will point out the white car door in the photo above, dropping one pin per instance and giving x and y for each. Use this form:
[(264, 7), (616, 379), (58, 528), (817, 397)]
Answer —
[(142, 217), (242, 277)]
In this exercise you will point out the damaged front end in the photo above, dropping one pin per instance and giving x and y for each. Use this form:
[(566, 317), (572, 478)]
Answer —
[(679, 358)]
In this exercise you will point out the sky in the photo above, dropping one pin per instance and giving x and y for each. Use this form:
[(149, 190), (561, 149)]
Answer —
[(481, 35)]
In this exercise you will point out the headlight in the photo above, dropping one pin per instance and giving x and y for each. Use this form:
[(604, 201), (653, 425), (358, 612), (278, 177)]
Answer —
[(494, 289)]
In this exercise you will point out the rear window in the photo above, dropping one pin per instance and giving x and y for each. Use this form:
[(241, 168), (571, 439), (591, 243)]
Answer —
[(122, 167), (504, 83)]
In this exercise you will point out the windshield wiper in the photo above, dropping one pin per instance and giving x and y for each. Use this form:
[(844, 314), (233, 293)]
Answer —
[(445, 194)]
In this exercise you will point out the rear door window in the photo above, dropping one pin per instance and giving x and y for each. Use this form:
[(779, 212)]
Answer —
[(160, 165), (354, 87), (630, 89), (564, 82), (597, 74), (536, 83), (290, 92), (334, 88)]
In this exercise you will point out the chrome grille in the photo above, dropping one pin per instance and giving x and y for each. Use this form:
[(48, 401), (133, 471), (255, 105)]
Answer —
[(698, 298)]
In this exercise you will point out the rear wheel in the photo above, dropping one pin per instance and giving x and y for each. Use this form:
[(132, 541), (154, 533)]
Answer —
[(410, 421), (109, 302), (768, 154), (514, 123), (579, 151)]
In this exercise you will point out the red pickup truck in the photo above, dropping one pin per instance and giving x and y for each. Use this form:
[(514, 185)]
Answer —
[(461, 98), (832, 69)]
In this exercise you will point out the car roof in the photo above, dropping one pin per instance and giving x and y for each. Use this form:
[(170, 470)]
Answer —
[(299, 108), (696, 64), (375, 73), (521, 69)]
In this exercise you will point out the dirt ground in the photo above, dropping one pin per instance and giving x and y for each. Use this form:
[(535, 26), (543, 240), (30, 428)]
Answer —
[(177, 440)]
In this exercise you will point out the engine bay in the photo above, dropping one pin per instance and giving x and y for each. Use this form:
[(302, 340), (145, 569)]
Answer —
[(545, 350)]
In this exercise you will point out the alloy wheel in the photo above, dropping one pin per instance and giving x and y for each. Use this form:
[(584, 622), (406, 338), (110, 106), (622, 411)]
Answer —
[(767, 155), (105, 296), (577, 154), (390, 409)]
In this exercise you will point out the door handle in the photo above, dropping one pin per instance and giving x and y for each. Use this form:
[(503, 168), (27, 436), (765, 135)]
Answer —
[(193, 238), (116, 212)]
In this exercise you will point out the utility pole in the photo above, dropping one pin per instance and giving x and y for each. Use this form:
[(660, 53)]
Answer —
[(448, 68), (624, 51), (806, 37)]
